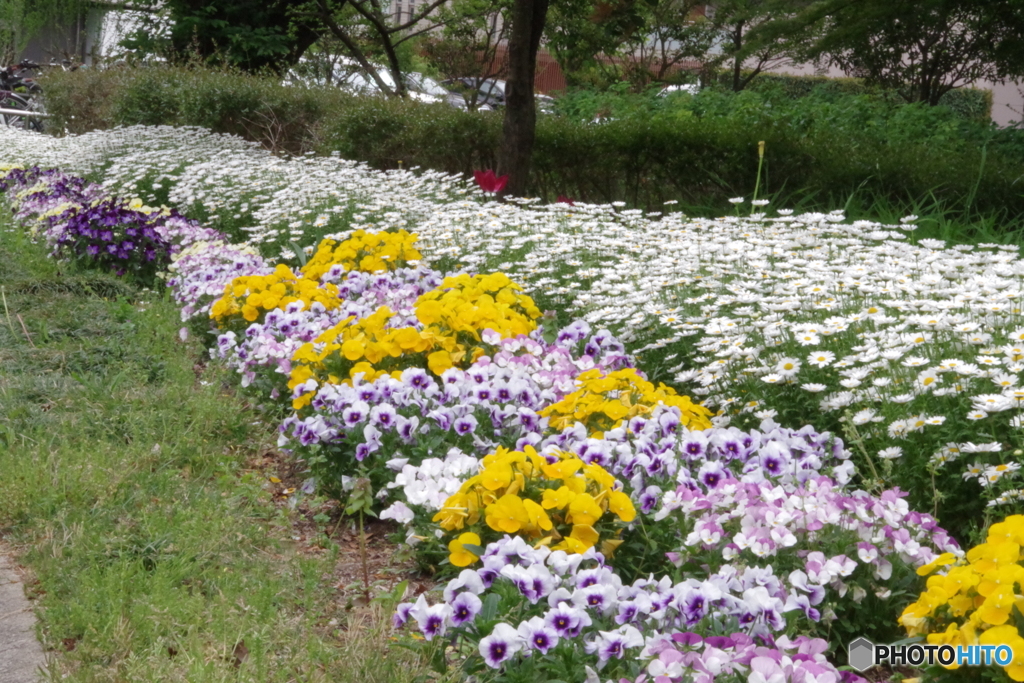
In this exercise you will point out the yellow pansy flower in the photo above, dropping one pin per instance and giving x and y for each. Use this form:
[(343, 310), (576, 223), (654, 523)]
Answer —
[(460, 557)]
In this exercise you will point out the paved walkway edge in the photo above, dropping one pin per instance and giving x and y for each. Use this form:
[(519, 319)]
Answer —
[(21, 656)]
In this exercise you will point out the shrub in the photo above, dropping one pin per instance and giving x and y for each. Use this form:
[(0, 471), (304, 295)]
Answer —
[(968, 103), (831, 144)]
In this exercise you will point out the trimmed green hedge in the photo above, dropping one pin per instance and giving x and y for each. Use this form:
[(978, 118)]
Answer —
[(695, 149)]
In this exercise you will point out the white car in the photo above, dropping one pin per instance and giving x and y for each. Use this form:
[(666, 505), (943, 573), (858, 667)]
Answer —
[(347, 76), (362, 84), (689, 89)]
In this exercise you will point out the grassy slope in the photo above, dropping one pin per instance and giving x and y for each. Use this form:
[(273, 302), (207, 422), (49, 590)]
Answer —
[(156, 553)]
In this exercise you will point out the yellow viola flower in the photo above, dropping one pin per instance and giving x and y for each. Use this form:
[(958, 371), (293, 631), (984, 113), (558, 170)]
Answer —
[(951, 636), (1002, 576), (562, 469), (585, 534), (537, 516), (609, 546), (584, 510), (496, 476), (572, 545), (507, 514), (621, 505), (557, 499), (600, 475), (459, 556), (997, 606), (453, 515), (439, 361), (943, 560), (989, 556)]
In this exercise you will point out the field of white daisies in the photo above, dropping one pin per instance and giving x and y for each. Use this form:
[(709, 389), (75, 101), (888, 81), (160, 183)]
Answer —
[(637, 446)]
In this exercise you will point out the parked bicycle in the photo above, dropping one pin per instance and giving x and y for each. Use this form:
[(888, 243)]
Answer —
[(20, 92)]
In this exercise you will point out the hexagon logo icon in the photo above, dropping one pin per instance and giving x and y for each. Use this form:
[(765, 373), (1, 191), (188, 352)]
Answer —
[(861, 654)]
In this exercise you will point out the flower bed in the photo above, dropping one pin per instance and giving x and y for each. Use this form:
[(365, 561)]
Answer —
[(910, 350), (611, 522)]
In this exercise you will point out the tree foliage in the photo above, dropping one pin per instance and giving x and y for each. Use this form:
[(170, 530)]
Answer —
[(750, 38), (22, 20), (252, 35), (921, 48), (469, 44)]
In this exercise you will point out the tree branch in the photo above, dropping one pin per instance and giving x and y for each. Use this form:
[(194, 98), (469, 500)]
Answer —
[(327, 17)]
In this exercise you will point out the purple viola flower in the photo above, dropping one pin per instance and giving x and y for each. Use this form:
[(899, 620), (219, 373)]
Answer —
[(382, 415), (695, 445), (432, 620), (655, 466), (600, 598), (711, 474), (688, 639), (566, 620), (669, 422), (406, 427), (402, 614), (720, 642), (649, 499), (467, 580), (369, 393), (465, 607), (416, 378), (589, 577), (774, 457), (695, 606), (500, 646), (487, 576), (464, 425), (538, 635), (355, 413), (801, 602), (628, 610), (443, 417), (613, 644), (528, 419)]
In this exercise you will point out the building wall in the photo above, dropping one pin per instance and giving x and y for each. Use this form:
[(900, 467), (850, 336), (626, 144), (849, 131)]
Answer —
[(76, 40)]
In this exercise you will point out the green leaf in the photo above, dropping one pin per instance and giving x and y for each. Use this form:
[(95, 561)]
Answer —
[(490, 607), (475, 549), (300, 253)]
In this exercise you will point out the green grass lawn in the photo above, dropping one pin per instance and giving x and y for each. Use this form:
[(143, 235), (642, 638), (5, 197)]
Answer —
[(159, 555)]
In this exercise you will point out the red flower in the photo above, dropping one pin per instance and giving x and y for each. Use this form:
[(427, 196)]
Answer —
[(488, 182), (562, 199)]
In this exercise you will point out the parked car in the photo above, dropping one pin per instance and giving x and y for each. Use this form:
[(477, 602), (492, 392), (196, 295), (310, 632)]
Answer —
[(345, 74), (490, 93), (420, 87), (689, 88)]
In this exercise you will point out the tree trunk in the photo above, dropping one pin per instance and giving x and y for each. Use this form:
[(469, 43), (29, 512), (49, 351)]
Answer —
[(519, 130), (737, 62)]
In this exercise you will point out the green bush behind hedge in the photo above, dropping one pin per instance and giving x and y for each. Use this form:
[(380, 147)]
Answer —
[(968, 103), (696, 149)]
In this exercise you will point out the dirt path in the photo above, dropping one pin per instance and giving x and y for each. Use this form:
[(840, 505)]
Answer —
[(21, 656)]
